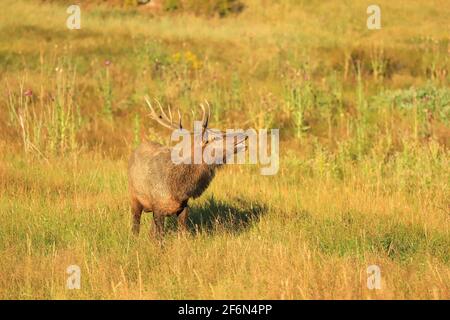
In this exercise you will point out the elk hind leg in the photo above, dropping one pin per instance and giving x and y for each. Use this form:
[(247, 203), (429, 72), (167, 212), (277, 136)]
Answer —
[(158, 219), (136, 211), (182, 219)]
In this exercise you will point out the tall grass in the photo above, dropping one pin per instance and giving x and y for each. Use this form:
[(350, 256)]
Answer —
[(47, 121)]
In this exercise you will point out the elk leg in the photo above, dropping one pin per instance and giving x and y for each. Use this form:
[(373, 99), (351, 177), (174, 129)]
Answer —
[(182, 219), (136, 210), (158, 218)]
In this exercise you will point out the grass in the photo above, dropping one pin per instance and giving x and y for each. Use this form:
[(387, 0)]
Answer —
[(363, 180)]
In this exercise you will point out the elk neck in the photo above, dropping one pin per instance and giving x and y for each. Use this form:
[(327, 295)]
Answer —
[(191, 180)]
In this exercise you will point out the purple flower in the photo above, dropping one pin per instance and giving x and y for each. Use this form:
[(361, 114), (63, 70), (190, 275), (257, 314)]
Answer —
[(28, 93)]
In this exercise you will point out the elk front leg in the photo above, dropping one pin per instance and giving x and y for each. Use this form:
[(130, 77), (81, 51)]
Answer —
[(182, 219), (158, 218), (136, 211)]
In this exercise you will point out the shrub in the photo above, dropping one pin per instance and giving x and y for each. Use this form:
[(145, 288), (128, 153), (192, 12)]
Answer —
[(221, 8)]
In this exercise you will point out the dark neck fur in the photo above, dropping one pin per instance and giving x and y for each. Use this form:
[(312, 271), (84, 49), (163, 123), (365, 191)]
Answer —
[(190, 180)]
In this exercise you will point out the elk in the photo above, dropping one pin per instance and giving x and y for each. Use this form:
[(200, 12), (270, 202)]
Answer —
[(163, 187)]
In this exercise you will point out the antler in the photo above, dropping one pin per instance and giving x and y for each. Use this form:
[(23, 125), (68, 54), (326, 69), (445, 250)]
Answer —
[(205, 118), (164, 119), (216, 133)]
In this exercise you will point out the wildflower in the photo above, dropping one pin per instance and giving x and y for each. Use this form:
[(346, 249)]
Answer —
[(28, 93), (107, 63)]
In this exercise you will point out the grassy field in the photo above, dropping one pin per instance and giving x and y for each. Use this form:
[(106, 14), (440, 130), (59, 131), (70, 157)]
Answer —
[(364, 118)]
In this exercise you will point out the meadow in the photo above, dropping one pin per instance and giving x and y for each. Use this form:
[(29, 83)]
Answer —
[(364, 119)]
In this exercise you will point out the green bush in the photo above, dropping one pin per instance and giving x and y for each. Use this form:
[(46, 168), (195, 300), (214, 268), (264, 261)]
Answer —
[(221, 8)]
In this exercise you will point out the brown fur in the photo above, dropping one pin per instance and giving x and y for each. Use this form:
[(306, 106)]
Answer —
[(159, 185), (162, 187)]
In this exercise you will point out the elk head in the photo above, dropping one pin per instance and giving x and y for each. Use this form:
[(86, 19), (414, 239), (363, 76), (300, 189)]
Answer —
[(215, 146)]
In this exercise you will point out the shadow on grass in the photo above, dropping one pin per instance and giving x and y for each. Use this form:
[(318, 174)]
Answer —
[(219, 216)]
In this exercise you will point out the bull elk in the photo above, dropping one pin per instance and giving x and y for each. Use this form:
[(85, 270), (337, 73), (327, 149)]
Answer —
[(159, 185)]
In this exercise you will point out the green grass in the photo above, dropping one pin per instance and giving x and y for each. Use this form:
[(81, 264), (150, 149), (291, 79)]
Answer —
[(363, 179)]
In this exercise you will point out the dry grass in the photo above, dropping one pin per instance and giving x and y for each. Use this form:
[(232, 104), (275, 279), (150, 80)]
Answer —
[(364, 161), (286, 237)]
